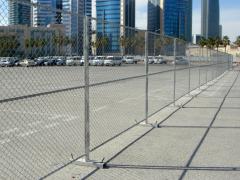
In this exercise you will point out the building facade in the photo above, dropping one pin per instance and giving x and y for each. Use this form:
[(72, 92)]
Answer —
[(113, 16), (19, 13), (73, 14), (176, 18), (23, 35), (47, 12), (210, 18), (153, 24)]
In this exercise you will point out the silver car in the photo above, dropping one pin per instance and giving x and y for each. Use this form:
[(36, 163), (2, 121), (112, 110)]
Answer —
[(180, 61), (113, 61), (98, 61), (73, 61)]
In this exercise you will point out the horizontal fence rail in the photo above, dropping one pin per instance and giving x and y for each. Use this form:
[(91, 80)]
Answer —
[(67, 91)]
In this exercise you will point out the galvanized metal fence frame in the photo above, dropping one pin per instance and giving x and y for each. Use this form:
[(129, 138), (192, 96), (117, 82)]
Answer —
[(86, 160)]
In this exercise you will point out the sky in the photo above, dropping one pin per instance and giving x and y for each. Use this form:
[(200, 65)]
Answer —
[(229, 16)]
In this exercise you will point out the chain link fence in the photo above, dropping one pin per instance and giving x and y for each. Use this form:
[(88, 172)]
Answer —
[(71, 83)]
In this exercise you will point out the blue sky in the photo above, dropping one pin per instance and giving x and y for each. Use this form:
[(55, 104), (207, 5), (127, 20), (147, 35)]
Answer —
[(229, 10)]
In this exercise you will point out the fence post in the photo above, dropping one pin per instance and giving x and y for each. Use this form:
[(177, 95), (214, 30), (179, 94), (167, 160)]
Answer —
[(199, 70), (207, 66), (86, 161), (146, 73), (189, 71), (174, 79), (86, 89)]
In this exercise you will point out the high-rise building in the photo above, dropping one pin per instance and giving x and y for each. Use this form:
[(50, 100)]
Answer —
[(153, 24), (111, 15), (210, 18), (176, 18), (46, 12), (73, 13), (19, 13)]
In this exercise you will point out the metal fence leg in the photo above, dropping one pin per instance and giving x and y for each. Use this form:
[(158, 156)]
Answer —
[(85, 161), (146, 122), (174, 78), (189, 75), (146, 73)]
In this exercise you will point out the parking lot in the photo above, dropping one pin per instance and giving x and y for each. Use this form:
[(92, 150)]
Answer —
[(42, 110)]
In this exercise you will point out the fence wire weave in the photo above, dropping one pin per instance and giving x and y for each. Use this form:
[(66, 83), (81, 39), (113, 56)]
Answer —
[(45, 88)]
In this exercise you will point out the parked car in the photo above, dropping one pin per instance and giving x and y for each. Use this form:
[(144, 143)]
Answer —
[(73, 60), (180, 61), (159, 60), (150, 59), (8, 61), (50, 62), (113, 61), (4, 63), (60, 62), (90, 60), (129, 60), (27, 63), (98, 61), (40, 61)]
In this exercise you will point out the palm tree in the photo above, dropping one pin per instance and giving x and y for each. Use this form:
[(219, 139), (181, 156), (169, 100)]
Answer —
[(202, 43), (211, 43), (226, 42), (218, 42), (238, 41)]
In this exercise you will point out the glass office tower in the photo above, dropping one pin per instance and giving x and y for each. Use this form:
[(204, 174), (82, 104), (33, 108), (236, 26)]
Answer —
[(45, 13), (153, 16), (177, 18), (115, 13), (210, 18), (73, 22), (19, 13)]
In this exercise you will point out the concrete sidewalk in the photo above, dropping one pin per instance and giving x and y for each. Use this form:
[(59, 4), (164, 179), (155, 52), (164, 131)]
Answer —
[(198, 141)]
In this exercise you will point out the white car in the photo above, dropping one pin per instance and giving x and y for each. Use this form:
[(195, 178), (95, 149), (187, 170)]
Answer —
[(73, 61), (159, 60), (27, 63), (98, 61), (129, 60), (113, 61), (90, 60), (150, 59)]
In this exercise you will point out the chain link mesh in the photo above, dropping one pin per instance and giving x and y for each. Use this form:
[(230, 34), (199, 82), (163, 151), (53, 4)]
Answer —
[(43, 87)]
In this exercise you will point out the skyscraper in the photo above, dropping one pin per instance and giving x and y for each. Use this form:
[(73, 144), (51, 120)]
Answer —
[(153, 16), (114, 13), (46, 12), (176, 19), (72, 19), (19, 13), (210, 18)]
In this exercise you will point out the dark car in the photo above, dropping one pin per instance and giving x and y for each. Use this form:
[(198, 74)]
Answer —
[(50, 62), (60, 62)]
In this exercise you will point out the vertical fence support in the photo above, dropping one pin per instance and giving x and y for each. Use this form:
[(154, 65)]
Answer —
[(85, 161), (174, 78), (146, 73), (199, 71), (207, 66), (189, 71), (86, 89)]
